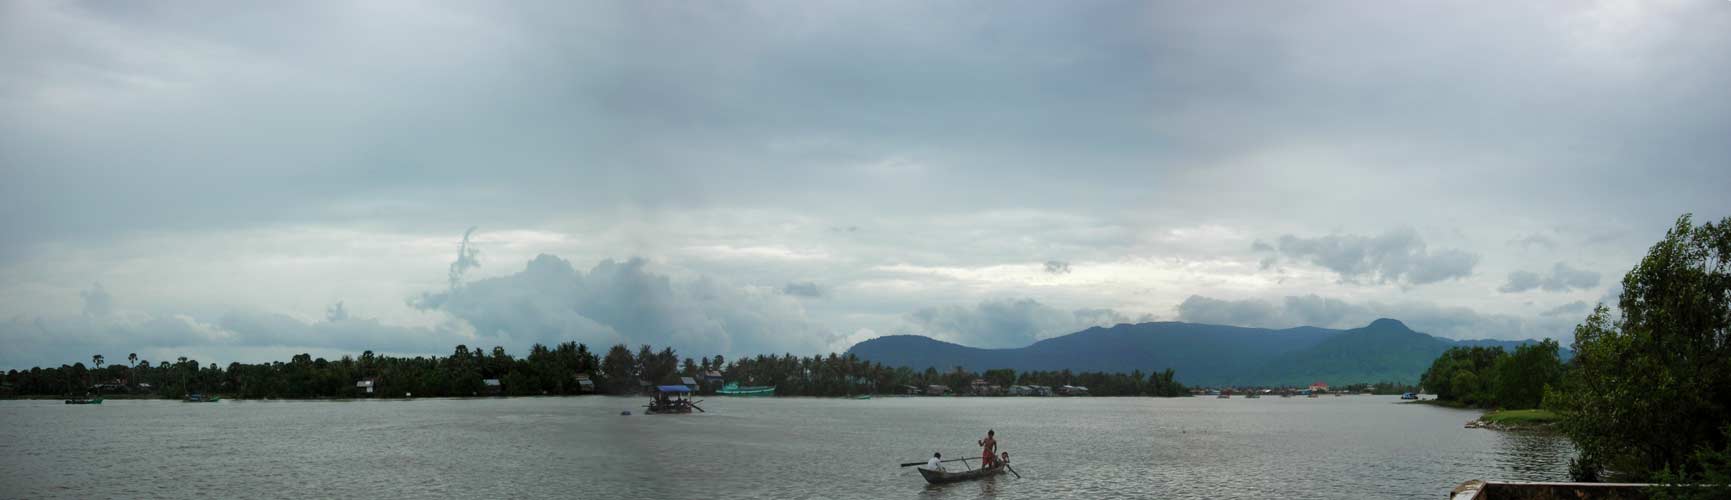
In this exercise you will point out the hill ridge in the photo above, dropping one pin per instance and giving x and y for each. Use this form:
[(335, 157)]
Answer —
[(1202, 354)]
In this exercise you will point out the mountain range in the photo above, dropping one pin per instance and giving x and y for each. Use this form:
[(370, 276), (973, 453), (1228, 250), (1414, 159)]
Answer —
[(1206, 355)]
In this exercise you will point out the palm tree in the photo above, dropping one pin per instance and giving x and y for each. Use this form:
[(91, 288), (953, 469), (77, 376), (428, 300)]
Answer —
[(97, 360), (132, 359)]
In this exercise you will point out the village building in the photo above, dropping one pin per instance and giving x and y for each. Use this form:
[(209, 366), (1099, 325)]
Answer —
[(367, 386)]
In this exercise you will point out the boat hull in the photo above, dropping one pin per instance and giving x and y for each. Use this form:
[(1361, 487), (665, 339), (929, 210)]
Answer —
[(937, 477)]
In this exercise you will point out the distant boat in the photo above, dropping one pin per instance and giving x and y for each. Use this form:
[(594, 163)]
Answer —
[(1409, 396), (200, 398), (734, 389), (671, 399), (75, 401), (863, 396)]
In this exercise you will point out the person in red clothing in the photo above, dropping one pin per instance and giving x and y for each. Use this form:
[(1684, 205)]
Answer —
[(989, 455)]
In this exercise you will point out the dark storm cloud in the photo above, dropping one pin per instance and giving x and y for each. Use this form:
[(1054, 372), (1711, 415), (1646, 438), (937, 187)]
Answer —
[(1057, 267), (1009, 323), (1577, 309), (1398, 256), (1313, 310), (468, 257), (802, 289), (1561, 278)]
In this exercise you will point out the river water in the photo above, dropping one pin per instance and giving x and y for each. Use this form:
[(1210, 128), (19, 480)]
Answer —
[(1331, 447)]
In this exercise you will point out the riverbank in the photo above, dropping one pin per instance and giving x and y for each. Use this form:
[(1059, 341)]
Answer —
[(1515, 419), (1437, 402), (45, 397)]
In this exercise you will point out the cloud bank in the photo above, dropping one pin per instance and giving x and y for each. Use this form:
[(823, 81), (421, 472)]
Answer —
[(1398, 256), (1561, 278), (624, 302), (1009, 323)]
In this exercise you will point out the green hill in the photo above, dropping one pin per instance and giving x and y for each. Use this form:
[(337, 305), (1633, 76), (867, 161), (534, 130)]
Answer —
[(1385, 350)]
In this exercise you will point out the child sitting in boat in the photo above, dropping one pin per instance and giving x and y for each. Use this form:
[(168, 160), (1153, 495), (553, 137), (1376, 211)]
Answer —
[(936, 463)]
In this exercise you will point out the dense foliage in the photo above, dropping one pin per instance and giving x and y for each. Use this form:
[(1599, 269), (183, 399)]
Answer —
[(1650, 391), (543, 371), (1489, 377)]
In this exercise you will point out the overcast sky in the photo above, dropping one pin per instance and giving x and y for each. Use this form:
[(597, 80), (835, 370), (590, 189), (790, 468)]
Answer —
[(243, 181)]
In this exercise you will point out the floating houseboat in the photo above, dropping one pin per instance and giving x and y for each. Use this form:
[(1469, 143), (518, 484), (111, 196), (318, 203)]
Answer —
[(671, 399)]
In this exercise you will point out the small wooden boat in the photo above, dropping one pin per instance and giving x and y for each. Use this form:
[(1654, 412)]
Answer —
[(941, 477), (200, 398), (863, 396), (96, 401)]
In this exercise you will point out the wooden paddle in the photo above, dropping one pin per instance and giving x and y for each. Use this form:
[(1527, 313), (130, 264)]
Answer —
[(1012, 470), (911, 464)]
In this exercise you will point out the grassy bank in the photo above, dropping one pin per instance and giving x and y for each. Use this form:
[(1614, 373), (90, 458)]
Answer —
[(1519, 418), (1437, 402)]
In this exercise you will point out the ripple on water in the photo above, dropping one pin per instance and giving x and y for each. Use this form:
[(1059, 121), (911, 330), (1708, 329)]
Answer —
[(1350, 447)]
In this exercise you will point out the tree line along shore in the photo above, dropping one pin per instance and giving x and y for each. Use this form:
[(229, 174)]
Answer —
[(568, 368)]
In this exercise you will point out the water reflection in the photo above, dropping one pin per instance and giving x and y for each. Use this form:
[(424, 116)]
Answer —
[(1533, 454)]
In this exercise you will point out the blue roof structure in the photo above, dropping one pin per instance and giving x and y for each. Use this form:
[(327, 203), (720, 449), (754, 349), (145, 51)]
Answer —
[(672, 388)]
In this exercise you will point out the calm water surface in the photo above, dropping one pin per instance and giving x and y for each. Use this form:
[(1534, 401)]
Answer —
[(1332, 447)]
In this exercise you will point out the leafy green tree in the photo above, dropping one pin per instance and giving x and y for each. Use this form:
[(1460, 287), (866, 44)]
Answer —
[(1648, 390), (620, 368), (1523, 377), (1460, 374)]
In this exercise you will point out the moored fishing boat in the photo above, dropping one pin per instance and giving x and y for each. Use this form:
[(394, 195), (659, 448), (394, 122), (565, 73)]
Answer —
[(94, 401), (734, 389), (941, 477)]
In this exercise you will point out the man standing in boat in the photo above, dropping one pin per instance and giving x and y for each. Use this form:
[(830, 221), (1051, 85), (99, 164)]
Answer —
[(989, 455)]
